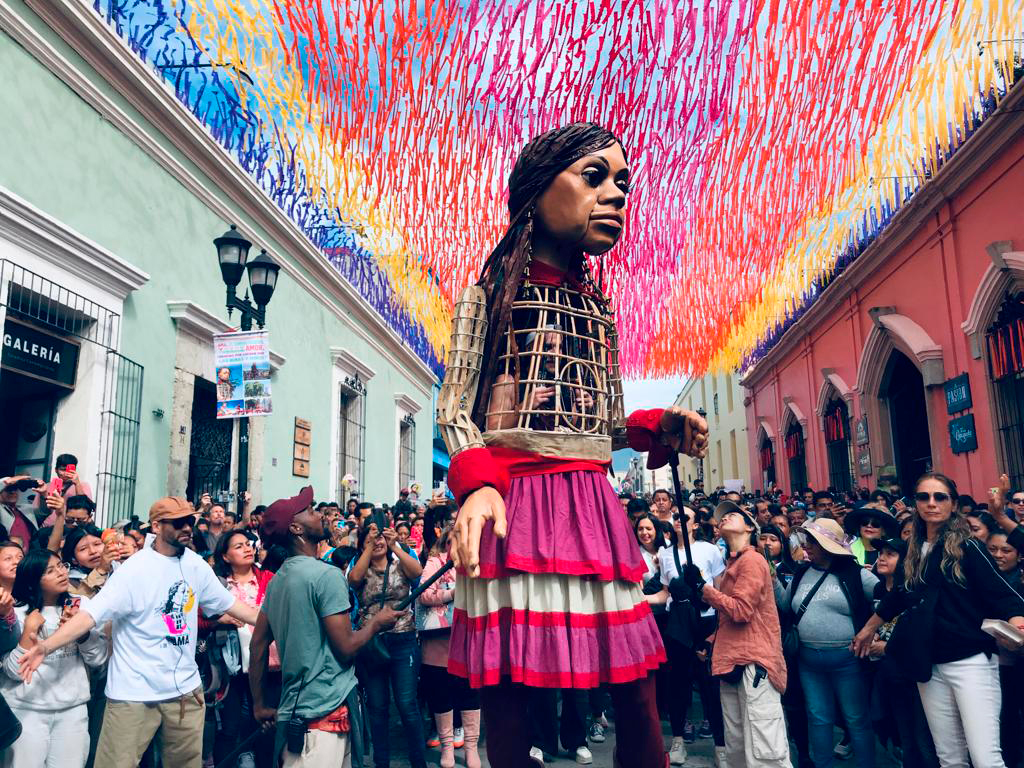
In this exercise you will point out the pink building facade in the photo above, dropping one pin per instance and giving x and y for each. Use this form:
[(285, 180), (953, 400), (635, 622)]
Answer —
[(871, 385)]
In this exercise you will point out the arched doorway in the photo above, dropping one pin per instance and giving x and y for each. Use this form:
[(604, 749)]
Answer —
[(796, 458), (767, 461), (1004, 341), (837, 445), (902, 388)]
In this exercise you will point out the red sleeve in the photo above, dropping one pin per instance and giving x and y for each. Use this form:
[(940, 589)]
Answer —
[(473, 469), (643, 433)]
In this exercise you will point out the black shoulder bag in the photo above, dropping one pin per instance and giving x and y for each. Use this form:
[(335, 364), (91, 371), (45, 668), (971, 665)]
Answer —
[(910, 645), (791, 637), (374, 656)]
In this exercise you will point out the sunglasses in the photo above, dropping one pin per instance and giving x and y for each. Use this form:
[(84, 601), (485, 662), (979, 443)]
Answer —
[(871, 522), (180, 522), (925, 497), (1017, 500)]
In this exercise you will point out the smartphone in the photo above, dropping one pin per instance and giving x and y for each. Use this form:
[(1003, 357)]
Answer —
[(71, 468), (57, 485), (378, 519)]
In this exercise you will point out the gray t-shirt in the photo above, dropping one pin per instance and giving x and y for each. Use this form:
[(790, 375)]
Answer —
[(827, 623), (301, 593)]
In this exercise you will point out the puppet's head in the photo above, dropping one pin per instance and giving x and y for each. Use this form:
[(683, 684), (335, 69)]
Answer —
[(569, 185)]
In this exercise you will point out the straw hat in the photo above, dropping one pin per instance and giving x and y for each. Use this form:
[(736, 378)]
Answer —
[(830, 535)]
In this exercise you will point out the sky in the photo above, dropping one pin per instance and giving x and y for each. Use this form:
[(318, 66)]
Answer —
[(651, 393)]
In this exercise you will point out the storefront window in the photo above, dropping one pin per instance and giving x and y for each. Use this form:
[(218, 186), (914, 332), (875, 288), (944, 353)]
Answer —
[(1005, 346), (837, 445)]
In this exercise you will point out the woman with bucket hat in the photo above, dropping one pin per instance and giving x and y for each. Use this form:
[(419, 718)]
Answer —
[(830, 598), (866, 523)]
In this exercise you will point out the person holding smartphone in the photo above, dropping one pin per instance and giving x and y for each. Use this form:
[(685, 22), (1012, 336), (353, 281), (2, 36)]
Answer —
[(53, 708), (383, 575)]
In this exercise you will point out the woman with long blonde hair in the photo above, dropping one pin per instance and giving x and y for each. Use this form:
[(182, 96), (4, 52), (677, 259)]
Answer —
[(952, 586)]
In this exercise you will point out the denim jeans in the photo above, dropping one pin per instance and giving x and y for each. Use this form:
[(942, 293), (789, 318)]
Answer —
[(828, 675), (402, 673)]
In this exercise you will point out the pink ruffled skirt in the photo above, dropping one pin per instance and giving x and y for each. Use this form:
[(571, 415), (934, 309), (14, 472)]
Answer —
[(558, 603)]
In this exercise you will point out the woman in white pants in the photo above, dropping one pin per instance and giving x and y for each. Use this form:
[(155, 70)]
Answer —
[(952, 586), (52, 709)]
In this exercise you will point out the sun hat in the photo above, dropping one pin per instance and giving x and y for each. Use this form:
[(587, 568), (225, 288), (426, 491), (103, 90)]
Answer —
[(853, 520), (828, 533), (728, 507)]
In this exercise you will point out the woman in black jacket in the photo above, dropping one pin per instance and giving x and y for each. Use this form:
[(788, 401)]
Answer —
[(953, 586)]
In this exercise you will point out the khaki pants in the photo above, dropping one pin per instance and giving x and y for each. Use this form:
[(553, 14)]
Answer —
[(755, 728), (129, 727), (321, 750)]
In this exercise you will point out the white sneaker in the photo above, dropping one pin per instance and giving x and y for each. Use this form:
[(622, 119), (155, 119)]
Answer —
[(584, 756), (246, 760), (537, 755), (677, 752), (842, 751), (458, 738), (720, 759)]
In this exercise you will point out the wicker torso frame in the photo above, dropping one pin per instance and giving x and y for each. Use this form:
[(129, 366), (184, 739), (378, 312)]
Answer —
[(558, 390)]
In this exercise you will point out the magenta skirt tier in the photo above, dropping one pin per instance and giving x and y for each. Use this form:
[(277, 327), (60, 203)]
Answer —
[(558, 603)]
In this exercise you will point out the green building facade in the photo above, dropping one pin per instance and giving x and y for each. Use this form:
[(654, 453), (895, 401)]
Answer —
[(111, 193)]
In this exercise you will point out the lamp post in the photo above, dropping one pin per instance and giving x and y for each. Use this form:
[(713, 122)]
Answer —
[(233, 258), (700, 462)]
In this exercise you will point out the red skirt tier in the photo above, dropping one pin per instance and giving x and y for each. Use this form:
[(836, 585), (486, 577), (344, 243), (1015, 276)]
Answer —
[(558, 603)]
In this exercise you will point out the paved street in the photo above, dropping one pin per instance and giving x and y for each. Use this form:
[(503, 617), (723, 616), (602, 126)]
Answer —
[(699, 754)]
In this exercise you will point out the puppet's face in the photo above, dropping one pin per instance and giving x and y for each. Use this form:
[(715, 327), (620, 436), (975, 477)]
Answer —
[(584, 206)]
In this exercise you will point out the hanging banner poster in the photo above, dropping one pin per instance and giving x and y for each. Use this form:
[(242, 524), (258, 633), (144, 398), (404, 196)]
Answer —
[(242, 362)]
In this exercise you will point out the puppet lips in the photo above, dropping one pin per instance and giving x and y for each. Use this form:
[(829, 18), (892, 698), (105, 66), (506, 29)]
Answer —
[(608, 220)]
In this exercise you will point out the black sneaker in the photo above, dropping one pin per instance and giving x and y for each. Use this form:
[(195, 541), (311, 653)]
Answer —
[(705, 730), (689, 733)]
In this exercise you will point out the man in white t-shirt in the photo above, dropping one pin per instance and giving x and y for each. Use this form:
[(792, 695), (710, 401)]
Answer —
[(153, 682)]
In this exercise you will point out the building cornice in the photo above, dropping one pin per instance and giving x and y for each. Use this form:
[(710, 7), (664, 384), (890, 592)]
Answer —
[(86, 33), (349, 363), (1000, 128), (192, 319), (81, 258), (407, 404)]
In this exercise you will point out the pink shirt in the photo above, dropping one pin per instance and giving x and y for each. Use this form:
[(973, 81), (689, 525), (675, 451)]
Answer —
[(748, 621)]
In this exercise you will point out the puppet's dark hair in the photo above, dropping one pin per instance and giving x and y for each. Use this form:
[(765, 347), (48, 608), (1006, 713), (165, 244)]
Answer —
[(541, 160)]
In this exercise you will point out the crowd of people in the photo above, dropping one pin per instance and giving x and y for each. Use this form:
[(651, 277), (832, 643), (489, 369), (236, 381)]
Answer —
[(811, 627)]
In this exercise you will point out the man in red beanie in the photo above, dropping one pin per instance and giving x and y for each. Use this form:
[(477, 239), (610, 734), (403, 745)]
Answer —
[(306, 612)]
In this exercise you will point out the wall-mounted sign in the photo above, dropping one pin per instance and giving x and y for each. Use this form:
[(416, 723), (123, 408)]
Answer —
[(242, 361), (958, 394), (39, 354), (962, 435), (861, 430), (863, 461), (301, 448)]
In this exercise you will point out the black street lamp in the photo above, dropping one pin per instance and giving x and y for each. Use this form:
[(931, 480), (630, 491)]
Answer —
[(700, 462), (233, 258)]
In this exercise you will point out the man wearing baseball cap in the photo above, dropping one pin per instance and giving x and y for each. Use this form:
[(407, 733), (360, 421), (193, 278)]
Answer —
[(153, 681), (306, 610)]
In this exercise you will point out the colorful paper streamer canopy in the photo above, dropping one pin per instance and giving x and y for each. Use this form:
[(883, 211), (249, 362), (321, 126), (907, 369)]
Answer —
[(770, 142)]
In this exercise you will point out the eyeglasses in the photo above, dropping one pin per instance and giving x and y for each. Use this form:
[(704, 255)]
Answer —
[(924, 497), (58, 568)]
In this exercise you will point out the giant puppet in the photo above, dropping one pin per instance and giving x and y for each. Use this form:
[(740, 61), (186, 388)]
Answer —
[(530, 409)]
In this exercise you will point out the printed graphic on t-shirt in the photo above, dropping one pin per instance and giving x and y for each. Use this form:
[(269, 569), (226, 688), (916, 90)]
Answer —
[(181, 600)]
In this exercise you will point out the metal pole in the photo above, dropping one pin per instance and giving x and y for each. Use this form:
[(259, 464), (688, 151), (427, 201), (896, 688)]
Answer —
[(673, 461), (243, 437)]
